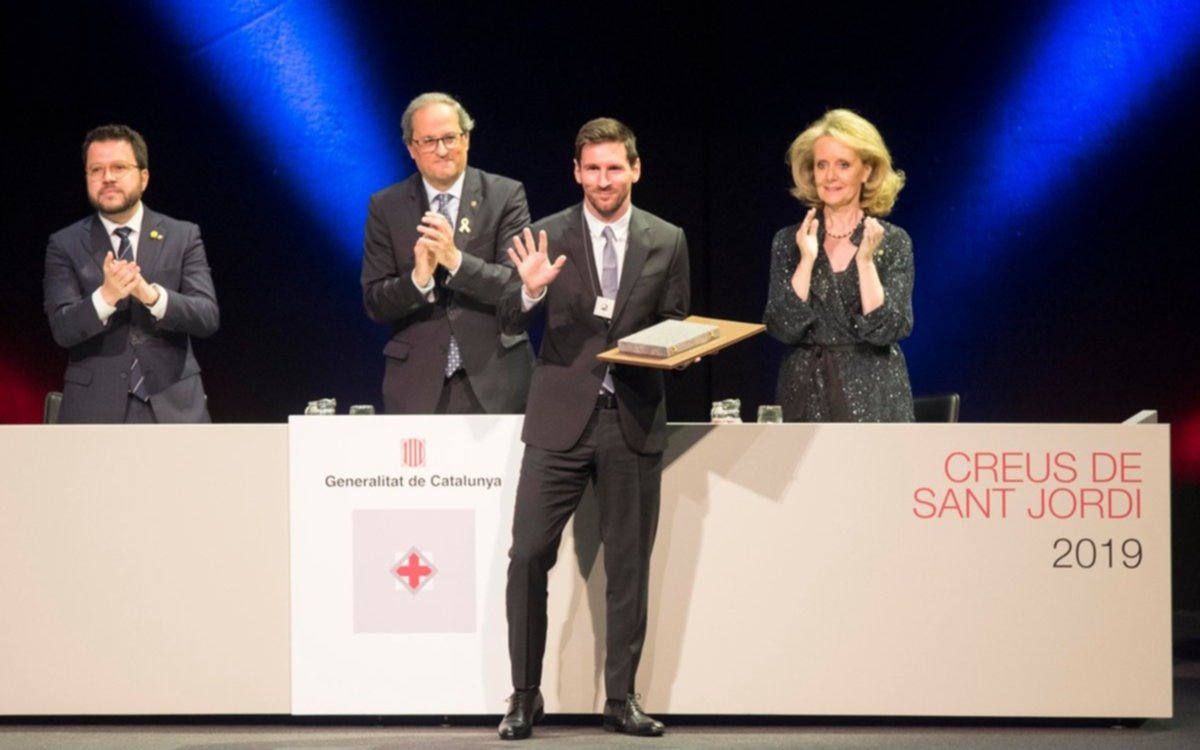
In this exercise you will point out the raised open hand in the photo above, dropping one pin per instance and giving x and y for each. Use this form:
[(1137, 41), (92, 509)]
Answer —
[(533, 262)]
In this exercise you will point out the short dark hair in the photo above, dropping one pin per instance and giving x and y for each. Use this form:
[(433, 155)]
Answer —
[(606, 130), (119, 133)]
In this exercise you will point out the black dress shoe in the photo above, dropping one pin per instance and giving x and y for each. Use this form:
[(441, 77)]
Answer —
[(626, 716), (525, 708)]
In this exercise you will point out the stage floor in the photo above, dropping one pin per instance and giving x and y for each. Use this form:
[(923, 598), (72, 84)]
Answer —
[(1179, 733)]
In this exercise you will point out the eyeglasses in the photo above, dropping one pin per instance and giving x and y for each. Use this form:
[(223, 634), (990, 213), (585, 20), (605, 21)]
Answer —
[(97, 172), (429, 144)]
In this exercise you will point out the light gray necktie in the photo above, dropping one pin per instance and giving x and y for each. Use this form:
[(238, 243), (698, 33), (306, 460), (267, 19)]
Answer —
[(137, 380), (454, 356), (608, 268), (608, 286)]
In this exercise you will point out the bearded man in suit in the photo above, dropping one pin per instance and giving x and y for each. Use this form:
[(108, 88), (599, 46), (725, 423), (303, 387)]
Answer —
[(125, 290), (598, 271)]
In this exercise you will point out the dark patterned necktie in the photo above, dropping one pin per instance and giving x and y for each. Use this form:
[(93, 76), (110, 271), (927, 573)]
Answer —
[(454, 356), (137, 381)]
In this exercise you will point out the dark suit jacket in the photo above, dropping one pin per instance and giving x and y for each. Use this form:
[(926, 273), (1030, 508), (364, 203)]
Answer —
[(654, 286), (96, 382), (497, 366)]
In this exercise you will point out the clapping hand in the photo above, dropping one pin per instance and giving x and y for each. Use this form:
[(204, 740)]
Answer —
[(872, 235), (145, 292), (424, 264), (437, 239), (121, 277), (806, 237)]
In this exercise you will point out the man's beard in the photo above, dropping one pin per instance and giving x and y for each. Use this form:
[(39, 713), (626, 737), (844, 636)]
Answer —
[(615, 202), (131, 200)]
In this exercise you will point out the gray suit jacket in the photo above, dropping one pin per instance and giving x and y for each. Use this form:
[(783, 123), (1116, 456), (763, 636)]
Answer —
[(492, 211), (655, 285), (96, 382)]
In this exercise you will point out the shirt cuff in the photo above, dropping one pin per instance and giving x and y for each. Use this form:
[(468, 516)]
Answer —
[(527, 302), (427, 290), (103, 310), (159, 308)]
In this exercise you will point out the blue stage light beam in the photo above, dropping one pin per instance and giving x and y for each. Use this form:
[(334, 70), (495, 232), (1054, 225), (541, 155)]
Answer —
[(289, 71), (1087, 73), (1084, 77)]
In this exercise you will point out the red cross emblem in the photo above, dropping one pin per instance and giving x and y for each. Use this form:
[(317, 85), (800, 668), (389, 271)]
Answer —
[(414, 570)]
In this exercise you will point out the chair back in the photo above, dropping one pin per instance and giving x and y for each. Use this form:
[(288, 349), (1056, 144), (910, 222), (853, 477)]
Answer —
[(51, 407), (940, 408)]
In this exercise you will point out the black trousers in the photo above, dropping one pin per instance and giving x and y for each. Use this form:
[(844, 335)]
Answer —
[(627, 487)]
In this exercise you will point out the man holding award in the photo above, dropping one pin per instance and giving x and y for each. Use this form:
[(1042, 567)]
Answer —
[(598, 271)]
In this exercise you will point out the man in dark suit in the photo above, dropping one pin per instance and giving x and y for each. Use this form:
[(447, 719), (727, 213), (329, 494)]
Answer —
[(599, 271), (434, 266), (125, 290)]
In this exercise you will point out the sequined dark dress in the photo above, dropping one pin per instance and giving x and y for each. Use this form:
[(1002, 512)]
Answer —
[(841, 365)]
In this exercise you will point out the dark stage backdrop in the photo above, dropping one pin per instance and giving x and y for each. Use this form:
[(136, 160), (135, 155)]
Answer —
[(1050, 150)]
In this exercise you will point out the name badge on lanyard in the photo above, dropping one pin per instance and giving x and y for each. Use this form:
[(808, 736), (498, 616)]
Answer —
[(604, 308)]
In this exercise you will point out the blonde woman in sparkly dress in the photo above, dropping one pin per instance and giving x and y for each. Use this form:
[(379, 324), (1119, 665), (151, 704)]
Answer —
[(842, 280)]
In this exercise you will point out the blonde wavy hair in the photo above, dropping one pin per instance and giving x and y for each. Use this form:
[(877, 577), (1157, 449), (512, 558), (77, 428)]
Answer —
[(856, 132)]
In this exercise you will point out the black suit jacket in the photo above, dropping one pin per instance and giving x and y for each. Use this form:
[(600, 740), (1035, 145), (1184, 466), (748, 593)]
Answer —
[(497, 366), (655, 285), (96, 382)]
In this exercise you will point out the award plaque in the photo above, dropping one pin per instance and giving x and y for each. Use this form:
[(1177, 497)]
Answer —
[(728, 332)]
